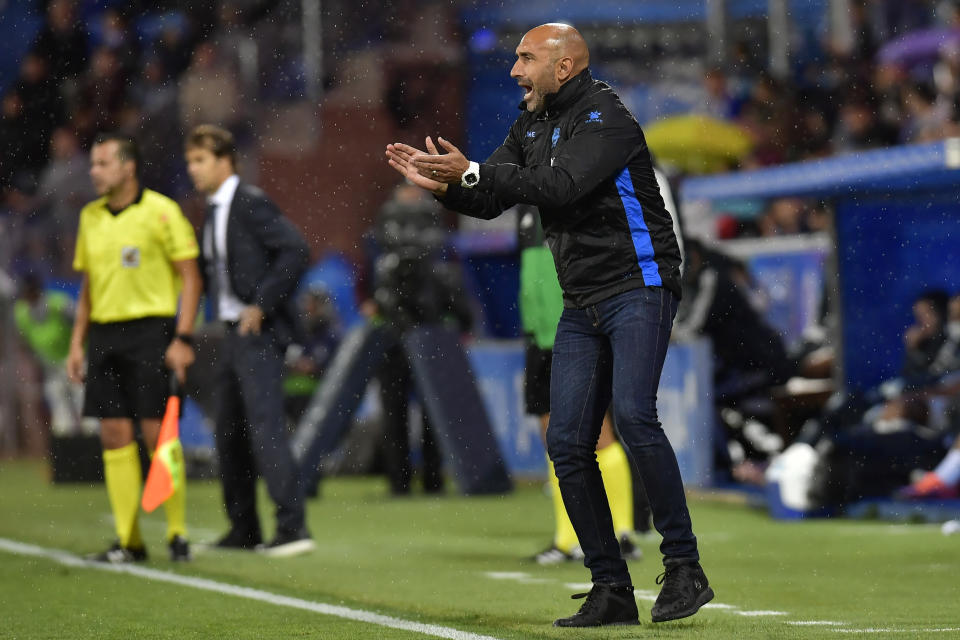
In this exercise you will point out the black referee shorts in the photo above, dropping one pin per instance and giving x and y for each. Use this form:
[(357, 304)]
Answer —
[(126, 375), (536, 381)]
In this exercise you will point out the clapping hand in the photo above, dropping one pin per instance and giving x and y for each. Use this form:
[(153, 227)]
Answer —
[(428, 169)]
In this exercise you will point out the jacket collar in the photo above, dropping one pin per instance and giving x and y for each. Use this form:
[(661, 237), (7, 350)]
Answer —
[(223, 196), (554, 103)]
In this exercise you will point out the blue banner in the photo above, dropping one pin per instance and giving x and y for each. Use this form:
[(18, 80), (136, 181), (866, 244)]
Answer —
[(685, 405)]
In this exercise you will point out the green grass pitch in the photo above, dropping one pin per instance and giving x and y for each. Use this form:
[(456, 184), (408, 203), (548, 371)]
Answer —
[(459, 564)]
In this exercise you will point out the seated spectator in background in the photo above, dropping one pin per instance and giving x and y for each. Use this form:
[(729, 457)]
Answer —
[(946, 72), (886, 81), (305, 363), (923, 341), (765, 115), (31, 236), (210, 91), (930, 353), (12, 139), (872, 441), (784, 216), (927, 116), (859, 127), (113, 32), (42, 110), (749, 355), (941, 483), (944, 480), (159, 122), (103, 89), (717, 100), (63, 190), (876, 456), (62, 40), (814, 142)]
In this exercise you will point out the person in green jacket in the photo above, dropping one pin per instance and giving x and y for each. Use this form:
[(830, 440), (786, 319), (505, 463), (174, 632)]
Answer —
[(44, 318), (541, 302)]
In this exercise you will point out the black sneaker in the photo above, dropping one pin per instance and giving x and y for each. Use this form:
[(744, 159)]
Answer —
[(553, 555), (629, 550), (605, 605), (180, 550), (118, 554), (239, 540), (685, 590), (288, 543)]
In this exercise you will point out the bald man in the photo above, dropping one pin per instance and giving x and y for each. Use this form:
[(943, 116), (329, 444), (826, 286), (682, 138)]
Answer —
[(579, 156)]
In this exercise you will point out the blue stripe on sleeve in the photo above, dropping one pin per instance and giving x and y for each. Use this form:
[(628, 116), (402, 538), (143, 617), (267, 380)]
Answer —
[(642, 244)]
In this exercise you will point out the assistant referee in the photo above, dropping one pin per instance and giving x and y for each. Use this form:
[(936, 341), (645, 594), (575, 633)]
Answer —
[(136, 251)]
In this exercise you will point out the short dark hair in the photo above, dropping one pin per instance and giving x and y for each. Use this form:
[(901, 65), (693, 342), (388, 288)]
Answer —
[(214, 139), (127, 147)]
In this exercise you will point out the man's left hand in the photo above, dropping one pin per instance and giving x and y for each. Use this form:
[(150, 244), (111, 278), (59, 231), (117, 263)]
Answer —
[(251, 319), (447, 168)]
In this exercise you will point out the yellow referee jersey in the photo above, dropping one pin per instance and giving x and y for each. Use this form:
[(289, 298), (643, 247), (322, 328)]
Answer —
[(129, 256)]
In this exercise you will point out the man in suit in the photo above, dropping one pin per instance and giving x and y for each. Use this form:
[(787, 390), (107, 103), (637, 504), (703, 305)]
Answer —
[(251, 259)]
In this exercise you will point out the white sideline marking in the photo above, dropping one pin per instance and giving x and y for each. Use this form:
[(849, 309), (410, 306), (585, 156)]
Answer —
[(892, 630), (814, 623), (516, 576), (357, 615), (751, 614)]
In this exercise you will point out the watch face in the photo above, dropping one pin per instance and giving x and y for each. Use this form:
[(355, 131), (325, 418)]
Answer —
[(471, 178)]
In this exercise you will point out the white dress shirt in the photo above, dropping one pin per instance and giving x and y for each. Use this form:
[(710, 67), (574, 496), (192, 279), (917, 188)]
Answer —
[(228, 304)]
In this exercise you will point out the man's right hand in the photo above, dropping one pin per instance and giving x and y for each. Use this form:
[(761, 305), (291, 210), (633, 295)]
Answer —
[(400, 157), (75, 364)]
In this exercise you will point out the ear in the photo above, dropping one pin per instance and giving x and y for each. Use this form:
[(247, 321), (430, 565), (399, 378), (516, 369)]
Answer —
[(564, 68)]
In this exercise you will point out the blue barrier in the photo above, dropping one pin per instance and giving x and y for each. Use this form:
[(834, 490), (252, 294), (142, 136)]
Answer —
[(685, 405), (789, 271), (906, 168)]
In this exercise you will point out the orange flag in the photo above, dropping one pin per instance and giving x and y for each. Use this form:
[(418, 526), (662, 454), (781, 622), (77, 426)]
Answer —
[(164, 478)]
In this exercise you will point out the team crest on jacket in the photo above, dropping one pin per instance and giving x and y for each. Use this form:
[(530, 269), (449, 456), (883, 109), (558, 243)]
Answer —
[(594, 116), (556, 136)]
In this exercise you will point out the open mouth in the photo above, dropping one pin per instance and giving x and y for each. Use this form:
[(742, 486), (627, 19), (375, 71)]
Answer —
[(527, 91)]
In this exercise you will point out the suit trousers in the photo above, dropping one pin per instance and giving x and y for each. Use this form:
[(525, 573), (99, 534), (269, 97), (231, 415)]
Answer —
[(251, 434)]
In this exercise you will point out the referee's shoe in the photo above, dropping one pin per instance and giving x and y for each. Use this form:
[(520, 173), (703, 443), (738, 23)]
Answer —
[(118, 554), (179, 549)]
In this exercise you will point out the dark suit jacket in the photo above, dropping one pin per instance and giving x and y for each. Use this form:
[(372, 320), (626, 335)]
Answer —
[(266, 256)]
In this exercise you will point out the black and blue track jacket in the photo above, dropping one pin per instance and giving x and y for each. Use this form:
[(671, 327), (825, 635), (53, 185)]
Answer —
[(583, 161)]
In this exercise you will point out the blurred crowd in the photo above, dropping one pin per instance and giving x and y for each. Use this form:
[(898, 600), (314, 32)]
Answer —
[(150, 70), (894, 79), (870, 90)]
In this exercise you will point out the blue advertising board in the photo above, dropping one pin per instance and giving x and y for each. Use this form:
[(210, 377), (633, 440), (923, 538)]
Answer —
[(789, 271), (685, 405)]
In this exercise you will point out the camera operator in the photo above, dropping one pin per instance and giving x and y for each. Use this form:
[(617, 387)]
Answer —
[(412, 286)]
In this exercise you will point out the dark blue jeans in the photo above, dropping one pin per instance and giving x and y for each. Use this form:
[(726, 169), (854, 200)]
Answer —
[(614, 350)]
